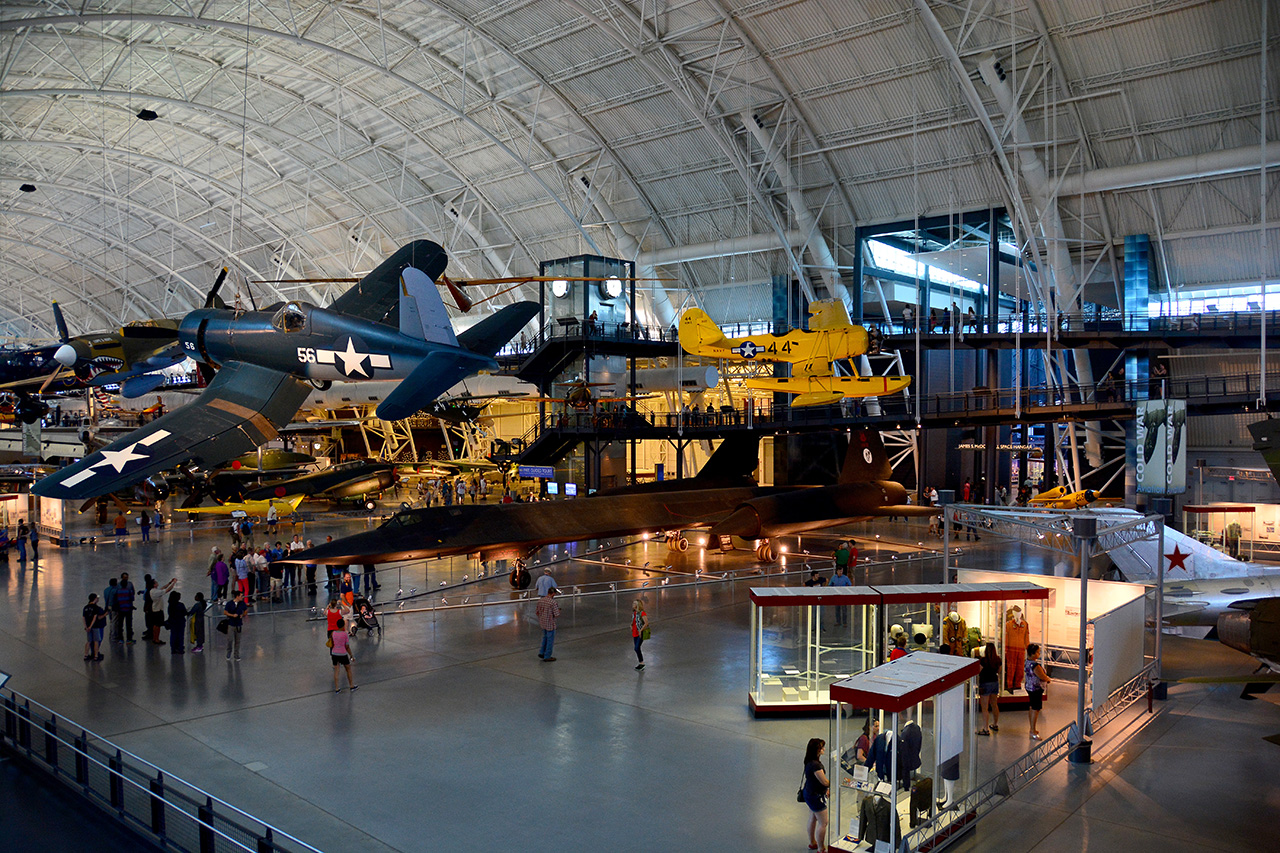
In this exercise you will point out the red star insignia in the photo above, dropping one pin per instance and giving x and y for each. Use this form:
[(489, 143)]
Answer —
[(1178, 560)]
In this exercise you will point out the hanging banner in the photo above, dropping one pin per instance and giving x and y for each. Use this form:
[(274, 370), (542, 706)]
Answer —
[(1162, 447), (31, 440)]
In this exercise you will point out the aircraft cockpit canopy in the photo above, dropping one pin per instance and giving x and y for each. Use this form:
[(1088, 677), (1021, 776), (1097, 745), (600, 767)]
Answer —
[(292, 317)]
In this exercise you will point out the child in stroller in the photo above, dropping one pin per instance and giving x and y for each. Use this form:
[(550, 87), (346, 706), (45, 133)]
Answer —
[(365, 617)]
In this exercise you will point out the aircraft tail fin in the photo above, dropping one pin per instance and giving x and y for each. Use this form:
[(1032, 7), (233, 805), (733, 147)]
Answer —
[(496, 331), (1184, 558), (422, 311), (698, 333), (1266, 440), (828, 314), (737, 456), (866, 459)]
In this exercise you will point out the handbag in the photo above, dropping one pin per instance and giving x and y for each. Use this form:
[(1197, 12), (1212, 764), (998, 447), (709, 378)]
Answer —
[(223, 626), (800, 793), (329, 642), (644, 635)]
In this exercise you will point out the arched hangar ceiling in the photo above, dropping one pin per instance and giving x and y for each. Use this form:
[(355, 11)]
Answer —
[(309, 139)]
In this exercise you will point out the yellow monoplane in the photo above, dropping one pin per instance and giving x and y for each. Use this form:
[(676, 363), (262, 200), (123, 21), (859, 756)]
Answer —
[(830, 337), (258, 509), (1060, 498)]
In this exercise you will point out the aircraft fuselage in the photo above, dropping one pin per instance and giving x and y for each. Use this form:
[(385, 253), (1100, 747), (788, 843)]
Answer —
[(316, 344)]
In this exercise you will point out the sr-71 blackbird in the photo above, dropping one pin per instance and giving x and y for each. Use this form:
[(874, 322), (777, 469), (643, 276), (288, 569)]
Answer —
[(722, 497), (267, 358)]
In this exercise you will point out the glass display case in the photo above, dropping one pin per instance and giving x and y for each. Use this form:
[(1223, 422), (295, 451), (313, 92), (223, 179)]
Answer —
[(901, 749), (805, 638), (963, 617)]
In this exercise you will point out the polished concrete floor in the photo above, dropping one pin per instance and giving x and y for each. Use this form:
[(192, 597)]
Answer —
[(461, 739)]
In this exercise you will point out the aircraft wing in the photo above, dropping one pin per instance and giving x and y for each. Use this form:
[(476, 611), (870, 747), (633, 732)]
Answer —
[(1249, 678), (242, 408), (377, 296)]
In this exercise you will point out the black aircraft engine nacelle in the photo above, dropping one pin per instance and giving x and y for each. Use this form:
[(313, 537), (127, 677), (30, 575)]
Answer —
[(155, 489), (809, 509), (1255, 631), (226, 488), (30, 410)]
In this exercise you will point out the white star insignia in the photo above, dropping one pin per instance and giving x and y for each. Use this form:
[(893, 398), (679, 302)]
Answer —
[(352, 361), (119, 458)]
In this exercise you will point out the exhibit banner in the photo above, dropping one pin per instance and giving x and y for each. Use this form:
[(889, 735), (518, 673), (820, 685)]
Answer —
[(31, 440), (1118, 648), (1161, 448), (50, 516)]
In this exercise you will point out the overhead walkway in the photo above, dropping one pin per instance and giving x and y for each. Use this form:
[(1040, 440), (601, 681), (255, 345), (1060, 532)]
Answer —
[(551, 352), (555, 435), (1093, 330)]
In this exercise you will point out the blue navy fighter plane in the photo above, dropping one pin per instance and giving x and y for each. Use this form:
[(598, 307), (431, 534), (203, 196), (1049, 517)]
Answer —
[(391, 325)]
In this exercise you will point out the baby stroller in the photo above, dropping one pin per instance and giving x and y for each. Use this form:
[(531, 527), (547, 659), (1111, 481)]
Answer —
[(365, 617)]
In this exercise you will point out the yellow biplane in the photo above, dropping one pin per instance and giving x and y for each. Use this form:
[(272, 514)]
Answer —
[(1060, 498), (830, 337)]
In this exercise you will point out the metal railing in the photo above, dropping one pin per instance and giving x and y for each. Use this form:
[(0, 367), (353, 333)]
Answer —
[(577, 330), (460, 595), (1095, 320), (1121, 698), (158, 805), (947, 825), (1106, 397)]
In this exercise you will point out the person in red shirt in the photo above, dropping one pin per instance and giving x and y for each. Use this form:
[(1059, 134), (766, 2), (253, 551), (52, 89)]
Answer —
[(548, 613)]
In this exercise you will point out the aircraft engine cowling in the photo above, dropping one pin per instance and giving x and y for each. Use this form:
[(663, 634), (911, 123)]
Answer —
[(809, 509), (378, 482), (1234, 629)]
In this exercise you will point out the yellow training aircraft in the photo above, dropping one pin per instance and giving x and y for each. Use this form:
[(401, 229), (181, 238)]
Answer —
[(831, 336), (1060, 498), (284, 506)]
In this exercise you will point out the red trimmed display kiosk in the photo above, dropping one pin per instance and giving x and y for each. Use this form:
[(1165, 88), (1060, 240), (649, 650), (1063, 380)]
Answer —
[(900, 747)]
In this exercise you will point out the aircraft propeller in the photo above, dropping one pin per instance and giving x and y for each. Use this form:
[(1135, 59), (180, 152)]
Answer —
[(213, 300)]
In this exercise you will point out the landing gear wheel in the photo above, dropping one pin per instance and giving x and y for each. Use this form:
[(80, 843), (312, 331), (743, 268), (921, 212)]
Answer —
[(678, 543), (765, 553)]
